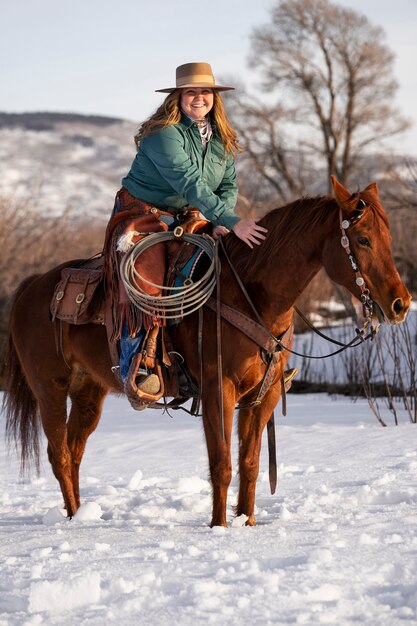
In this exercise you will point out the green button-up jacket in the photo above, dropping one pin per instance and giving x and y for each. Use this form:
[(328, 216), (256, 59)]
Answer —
[(171, 170)]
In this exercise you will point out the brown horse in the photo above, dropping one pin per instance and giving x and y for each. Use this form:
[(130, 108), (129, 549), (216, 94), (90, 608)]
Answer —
[(302, 237)]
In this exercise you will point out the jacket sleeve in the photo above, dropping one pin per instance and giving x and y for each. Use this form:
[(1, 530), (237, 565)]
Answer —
[(227, 190), (166, 151)]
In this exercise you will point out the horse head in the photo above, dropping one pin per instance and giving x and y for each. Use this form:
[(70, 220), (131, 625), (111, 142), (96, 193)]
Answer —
[(361, 261)]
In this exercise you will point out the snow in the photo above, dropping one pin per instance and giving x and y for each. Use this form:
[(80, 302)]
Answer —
[(73, 165), (336, 544)]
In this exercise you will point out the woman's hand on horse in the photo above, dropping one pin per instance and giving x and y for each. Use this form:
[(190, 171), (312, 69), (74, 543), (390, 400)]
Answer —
[(250, 232), (220, 231)]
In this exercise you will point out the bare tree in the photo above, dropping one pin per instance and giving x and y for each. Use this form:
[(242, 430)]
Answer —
[(31, 243), (270, 155), (334, 73), (399, 195)]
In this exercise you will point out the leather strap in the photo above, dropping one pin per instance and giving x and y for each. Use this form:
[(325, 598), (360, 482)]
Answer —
[(283, 396), (244, 290), (113, 349), (272, 453), (219, 338), (150, 344), (259, 334), (197, 401), (59, 340)]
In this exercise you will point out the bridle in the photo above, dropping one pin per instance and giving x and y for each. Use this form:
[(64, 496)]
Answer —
[(366, 299), (367, 331), (367, 302)]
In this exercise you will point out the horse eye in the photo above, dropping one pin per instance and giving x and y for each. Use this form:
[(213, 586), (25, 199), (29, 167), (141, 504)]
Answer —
[(364, 241)]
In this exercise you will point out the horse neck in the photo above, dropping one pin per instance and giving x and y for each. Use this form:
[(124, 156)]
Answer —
[(276, 277)]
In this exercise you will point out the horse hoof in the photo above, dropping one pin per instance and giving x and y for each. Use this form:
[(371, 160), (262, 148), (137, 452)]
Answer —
[(216, 525)]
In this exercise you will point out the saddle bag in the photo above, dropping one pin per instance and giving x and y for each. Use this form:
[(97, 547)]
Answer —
[(78, 296)]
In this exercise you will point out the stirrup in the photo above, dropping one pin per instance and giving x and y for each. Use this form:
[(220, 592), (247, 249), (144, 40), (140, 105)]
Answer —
[(142, 386), (147, 382), (288, 377)]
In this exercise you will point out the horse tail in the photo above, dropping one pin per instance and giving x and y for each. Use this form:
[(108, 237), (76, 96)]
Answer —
[(19, 402)]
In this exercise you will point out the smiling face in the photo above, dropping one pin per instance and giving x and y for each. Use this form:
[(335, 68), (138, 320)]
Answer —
[(197, 102)]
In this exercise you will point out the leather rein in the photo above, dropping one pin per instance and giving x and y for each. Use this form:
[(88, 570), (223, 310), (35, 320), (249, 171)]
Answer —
[(367, 302)]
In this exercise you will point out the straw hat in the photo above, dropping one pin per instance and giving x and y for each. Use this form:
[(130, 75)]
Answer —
[(194, 75)]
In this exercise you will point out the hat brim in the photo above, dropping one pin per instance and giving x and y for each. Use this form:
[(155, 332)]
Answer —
[(198, 85)]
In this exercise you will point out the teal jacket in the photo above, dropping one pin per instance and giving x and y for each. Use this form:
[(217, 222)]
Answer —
[(171, 170)]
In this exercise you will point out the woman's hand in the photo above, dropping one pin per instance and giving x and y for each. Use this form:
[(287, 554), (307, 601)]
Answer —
[(250, 232), (220, 231)]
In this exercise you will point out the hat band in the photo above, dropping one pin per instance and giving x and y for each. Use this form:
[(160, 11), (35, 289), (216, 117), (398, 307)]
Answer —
[(194, 79)]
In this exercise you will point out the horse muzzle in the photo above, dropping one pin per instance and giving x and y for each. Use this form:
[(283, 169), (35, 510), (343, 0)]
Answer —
[(395, 310)]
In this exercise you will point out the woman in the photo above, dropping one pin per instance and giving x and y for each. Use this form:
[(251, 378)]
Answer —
[(185, 157), (186, 153)]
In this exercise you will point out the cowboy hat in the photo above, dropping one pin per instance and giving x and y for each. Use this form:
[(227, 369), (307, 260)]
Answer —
[(194, 75)]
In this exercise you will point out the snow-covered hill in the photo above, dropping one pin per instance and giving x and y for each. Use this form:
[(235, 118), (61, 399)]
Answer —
[(59, 161), (336, 544)]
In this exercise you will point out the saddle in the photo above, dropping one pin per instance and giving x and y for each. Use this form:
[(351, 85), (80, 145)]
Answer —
[(91, 292)]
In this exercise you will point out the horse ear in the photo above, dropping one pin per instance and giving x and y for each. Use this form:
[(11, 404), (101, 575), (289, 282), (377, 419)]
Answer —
[(341, 194), (372, 188)]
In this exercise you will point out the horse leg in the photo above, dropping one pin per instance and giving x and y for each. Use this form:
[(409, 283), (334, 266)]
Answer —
[(251, 424), (218, 449), (86, 406), (54, 416)]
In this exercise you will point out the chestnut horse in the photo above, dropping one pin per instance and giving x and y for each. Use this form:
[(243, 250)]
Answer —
[(302, 238)]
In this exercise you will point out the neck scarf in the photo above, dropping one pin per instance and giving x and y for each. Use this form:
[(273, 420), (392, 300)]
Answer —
[(205, 129)]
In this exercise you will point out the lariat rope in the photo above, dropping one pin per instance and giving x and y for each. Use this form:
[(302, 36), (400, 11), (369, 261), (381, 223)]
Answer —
[(175, 302)]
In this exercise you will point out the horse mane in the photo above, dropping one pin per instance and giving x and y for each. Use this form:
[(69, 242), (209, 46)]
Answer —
[(285, 225)]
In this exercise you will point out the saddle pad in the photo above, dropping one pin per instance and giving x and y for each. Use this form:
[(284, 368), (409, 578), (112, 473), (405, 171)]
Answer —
[(193, 270)]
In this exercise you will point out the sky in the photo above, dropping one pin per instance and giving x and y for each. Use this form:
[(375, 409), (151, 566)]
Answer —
[(108, 57)]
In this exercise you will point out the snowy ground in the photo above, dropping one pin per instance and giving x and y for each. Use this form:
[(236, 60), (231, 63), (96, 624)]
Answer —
[(337, 543)]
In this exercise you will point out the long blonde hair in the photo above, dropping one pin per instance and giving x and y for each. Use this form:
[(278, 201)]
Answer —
[(170, 113)]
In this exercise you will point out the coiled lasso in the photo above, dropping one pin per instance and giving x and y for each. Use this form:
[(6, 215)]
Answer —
[(177, 301)]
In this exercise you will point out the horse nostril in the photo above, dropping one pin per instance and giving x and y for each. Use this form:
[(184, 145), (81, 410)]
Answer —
[(398, 305)]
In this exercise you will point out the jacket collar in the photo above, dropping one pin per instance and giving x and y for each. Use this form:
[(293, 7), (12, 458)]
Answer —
[(187, 122)]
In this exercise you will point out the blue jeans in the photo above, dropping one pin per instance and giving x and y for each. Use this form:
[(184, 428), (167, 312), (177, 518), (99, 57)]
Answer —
[(129, 346)]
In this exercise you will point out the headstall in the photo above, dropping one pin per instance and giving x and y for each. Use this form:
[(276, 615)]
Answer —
[(367, 302)]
